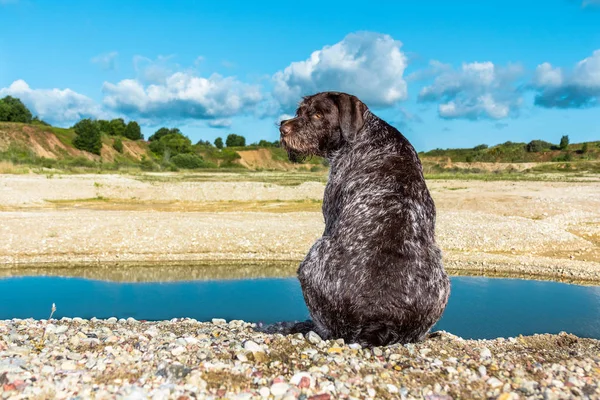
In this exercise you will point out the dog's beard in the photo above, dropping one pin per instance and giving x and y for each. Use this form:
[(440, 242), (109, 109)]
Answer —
[(296, 156)]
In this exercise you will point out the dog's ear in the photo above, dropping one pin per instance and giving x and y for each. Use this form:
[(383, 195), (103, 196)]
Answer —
[(351, 114)]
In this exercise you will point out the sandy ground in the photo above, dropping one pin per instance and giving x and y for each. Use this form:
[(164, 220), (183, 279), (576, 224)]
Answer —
[(547, 229)]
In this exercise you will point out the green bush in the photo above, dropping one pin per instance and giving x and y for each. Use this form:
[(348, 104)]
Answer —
[(133, 131), (564, 142), (171, 145), (187, 161), (146, 164), (88, 136), (118, 145), (536, 146), (13, 110)]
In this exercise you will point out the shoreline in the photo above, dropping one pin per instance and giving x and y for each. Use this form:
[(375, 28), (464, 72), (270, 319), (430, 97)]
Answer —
[(184, 359), (192, 267)]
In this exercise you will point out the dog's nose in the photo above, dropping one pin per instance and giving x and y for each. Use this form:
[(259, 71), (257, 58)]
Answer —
[(285, 128)]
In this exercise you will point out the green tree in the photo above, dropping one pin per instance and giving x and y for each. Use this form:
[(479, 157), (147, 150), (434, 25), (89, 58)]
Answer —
[(204, 143), (219, 143), (584, 148), (118, 145), (163, 132), (117, 127), (13, 110), (564, 142), (133, 131), (171, 145), (88, 136), (104, 126), (480, 147), (234, 140)]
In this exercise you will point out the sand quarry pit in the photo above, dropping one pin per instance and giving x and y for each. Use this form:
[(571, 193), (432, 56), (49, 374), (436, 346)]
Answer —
[(545, 229)]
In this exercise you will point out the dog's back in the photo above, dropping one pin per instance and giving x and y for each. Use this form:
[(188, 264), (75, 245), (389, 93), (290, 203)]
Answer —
[(381, 275)]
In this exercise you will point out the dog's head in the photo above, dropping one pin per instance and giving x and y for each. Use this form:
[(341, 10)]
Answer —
[(323, 123)]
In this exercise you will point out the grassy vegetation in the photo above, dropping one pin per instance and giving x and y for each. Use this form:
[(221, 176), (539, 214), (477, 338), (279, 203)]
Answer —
[(511, 152), (273, 206)]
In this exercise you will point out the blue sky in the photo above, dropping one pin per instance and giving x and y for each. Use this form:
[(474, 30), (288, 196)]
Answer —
[(447, 74)]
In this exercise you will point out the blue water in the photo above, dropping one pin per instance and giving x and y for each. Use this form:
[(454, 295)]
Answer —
[(478, 307)]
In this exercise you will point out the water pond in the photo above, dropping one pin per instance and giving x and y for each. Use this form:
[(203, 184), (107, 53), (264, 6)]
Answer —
[(478, 307)]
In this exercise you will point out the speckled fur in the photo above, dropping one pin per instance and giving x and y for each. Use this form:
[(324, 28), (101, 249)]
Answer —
[(375, 277)]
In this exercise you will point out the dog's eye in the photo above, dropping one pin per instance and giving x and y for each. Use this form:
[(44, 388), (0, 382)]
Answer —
[(317, 116)]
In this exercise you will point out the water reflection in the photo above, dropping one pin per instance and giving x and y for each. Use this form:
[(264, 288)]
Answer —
[(164, 272)]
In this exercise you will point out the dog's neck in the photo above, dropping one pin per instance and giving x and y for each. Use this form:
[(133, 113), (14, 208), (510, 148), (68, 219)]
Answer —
[(334, 154)]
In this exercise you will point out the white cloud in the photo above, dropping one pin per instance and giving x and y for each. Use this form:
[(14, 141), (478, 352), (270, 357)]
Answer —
[(578, 89), (53, 105), (220, 123), (182, 96), (367, 64), (546, 75), (477, 90), (107, 61)]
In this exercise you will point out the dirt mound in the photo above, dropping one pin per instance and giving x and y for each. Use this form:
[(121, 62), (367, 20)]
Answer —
[(263, 159), (45, 143)]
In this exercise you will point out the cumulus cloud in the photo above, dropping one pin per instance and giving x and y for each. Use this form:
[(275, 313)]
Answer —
[(578, 89), (367, 64), (53, 105), (181, 96), (220, 123), (106, 61), (477, 90)]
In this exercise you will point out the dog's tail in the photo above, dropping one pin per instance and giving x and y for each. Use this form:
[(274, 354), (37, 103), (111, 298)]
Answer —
[(287, 328)]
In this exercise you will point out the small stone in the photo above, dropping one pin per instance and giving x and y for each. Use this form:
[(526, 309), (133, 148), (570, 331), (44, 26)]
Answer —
[(68, 366), (377, 352), (242, 357), (424, 352), (177, 351), (313, 338), (482, 370), (485, 354), (112, 320), (264, 391), (249, 345), (61, 329), (392, 388), (302, 380), (219, 321), (494, 382), (131, 320), (279, 388), (451, 370)]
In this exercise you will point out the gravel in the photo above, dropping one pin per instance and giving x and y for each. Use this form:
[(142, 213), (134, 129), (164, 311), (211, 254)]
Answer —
[(184, 358)]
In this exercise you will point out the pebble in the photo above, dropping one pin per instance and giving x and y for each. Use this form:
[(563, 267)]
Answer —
[(219, 321), (253, 346), (485, 354), (313, 338), (279, 388), (182, 359)]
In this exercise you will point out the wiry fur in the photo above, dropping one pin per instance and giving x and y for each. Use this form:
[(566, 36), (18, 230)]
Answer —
[(375, 277)]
